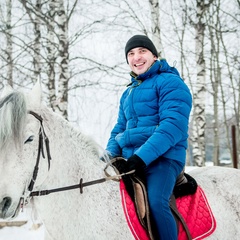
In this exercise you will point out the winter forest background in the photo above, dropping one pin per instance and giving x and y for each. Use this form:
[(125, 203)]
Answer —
[(76, 49)]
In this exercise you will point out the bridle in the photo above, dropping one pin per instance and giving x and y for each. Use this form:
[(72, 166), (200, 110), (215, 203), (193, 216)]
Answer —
[(43, 139)]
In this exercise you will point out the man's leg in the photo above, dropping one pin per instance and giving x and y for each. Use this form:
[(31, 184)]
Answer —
[(161, 176)]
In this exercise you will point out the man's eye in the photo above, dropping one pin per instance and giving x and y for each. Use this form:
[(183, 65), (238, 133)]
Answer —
[(30, 139)]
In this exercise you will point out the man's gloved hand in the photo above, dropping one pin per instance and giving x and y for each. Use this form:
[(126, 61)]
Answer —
[(135, 163), (121, 165)]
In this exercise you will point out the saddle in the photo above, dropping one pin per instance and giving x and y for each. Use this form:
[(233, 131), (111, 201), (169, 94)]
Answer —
[(136, 189)]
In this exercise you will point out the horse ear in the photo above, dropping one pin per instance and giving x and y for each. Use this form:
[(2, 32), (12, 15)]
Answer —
[(36, 94), (6, 90)]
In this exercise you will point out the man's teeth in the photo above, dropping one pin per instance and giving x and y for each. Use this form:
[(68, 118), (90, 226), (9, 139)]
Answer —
[(139, 64)]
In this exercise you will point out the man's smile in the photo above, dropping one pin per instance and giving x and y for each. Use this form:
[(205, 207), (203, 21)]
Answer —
[(139, 64)]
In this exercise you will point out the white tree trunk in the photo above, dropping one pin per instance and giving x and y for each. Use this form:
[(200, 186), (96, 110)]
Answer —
[(9, 48), (198, 136), (37, 45), (62, 23), (51, 56), (215, 77), (155, 22)]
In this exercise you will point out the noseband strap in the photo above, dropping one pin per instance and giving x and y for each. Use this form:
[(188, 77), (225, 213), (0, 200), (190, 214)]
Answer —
[(42, 139)]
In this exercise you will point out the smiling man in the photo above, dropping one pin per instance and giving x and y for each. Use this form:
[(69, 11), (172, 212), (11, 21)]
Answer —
[(140, 59), (152, 128), (140, 53)]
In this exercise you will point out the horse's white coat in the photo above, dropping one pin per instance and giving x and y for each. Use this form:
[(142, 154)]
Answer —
[(97, 213)]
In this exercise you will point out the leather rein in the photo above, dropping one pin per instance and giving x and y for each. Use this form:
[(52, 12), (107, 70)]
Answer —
[(44, 139)]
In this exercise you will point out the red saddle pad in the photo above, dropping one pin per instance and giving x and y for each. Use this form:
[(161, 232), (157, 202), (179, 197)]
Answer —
[(194, 209)]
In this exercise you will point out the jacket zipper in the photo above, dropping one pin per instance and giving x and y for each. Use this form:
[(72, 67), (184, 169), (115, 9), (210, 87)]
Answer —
[(135, 118)]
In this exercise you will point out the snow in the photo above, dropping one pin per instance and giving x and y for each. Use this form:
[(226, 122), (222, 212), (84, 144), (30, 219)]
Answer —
[(29, 231)]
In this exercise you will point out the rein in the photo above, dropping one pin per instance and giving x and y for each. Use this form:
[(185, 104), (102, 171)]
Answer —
[(44, 139), (81, 185)]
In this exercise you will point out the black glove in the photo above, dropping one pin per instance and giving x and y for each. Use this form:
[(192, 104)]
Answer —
[(121, 165), (135, 163)]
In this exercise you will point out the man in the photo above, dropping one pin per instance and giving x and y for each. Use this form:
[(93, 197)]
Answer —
[(152, 127)]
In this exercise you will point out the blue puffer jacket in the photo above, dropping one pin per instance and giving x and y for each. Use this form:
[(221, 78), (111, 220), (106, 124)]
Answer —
[(153, 116)]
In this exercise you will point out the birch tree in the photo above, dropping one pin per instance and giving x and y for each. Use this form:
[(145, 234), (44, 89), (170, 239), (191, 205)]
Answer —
[(215, 77), (9, 43), (230, 92), (6, 29), (199, 96), (51, 54), (56, 23), (62, 24), (35, 19), (37, 42), (156, 26), (215, 82)]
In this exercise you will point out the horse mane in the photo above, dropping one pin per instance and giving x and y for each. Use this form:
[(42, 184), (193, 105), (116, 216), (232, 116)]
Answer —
[(13, 112)]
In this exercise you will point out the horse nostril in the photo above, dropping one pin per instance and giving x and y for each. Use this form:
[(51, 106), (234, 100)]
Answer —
[(4, 205), (7, 202)]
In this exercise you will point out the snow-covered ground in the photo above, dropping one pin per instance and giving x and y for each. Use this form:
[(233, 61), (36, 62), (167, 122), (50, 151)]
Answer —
[(189, 168), (28, 231)]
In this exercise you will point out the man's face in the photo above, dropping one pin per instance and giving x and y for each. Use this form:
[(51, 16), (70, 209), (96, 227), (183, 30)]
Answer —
[(140, 59)]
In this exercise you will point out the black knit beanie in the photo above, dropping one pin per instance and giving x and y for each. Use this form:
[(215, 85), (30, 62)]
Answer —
[(140, 41)]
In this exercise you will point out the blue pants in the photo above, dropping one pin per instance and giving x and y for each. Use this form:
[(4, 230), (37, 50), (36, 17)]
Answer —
[(161, 176)]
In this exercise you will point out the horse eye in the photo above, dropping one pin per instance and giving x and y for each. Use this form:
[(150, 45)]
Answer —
[(30, 139)]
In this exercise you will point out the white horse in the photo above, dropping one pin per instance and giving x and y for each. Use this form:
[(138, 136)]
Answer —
[(97, 213)]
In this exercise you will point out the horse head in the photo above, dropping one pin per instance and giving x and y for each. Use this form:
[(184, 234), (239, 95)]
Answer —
[(18, 146)]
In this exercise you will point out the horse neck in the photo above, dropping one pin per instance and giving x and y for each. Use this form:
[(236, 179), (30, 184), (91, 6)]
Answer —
[(73, 154)]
